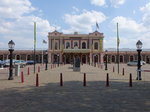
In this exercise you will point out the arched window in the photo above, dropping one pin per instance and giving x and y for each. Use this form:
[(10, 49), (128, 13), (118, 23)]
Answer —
[(96, 45), (56, 45), (83, 45), (121, 58), (55, 58), (67, 45), (75, 44), (96, 58), (28, 57), (147, 59), (113, 59), (131, 58), (18, 57), (1, 57)]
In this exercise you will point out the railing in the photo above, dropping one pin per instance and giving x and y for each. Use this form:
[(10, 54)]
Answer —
[(76, 50)]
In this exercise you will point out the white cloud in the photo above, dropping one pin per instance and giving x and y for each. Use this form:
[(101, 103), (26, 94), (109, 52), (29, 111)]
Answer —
[(75, 8), (15, 8), (116, 3), (83, 22), (130, 32), (146, 8), (98, 2), (15, 25), (128, 25), (146, 17), (21, 30), (134, 12)]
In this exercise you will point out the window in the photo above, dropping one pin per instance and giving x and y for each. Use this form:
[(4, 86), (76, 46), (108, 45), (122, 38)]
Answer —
[(67, 45), (56, 44), (75, 44), (18, 57), (121, 58), (131, 58), (113, 59), (28, 57), (96, 45), (1, 57), (83, 45)]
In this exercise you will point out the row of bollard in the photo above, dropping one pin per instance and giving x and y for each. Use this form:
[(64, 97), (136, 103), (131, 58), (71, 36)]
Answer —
[(84, 79), (37, 77), (107, 80), (101, 66)]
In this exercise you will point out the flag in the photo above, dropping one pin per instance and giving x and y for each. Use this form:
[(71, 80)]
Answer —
[(34, 34), (44, 41), (118, 40), (97, 26)]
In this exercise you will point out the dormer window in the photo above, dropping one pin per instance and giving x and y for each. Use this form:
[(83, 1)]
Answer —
[(83, 45), (56, 44), (75, 44), (96, 45), (67, 45)]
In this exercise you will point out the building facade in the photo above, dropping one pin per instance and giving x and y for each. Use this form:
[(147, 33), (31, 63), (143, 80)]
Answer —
[(63, 48), (124, 57)]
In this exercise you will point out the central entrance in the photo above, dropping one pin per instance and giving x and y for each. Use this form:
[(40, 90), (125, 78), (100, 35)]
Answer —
[(83, 59), (68, 58)]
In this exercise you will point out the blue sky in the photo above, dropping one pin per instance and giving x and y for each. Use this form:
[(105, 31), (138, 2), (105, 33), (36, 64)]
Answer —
[(68, 16)]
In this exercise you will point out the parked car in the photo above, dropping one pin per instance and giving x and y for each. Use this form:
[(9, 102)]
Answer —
[(6, 63), (1, 63), (30, 62), (135, 62), (22, 63)]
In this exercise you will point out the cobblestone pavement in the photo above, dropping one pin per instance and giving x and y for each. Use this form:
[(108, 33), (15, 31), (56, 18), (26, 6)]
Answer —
[(73, 97)]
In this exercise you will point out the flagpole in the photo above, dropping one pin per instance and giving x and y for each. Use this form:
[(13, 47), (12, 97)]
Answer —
[(118, 48), (42, 52), (34, 44)]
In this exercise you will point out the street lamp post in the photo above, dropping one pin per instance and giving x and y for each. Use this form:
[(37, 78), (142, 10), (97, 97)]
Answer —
[(11, 45), (58, 60), (46, 59), (139, 49), (106, 60)]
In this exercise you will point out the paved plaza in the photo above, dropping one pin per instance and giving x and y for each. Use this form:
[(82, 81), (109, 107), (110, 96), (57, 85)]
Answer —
[(73, 96)]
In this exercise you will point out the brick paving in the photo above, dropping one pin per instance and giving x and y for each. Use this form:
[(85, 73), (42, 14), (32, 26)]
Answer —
[(73, 97)]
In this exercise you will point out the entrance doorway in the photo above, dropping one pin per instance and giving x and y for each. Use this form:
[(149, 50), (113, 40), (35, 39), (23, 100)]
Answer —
[(96, 59), (84, 59), (67, 59)]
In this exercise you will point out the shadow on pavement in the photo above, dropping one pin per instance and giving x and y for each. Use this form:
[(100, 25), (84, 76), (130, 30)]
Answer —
[(73, 97)]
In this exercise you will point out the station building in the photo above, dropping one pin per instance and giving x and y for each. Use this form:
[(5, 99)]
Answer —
[(65, 47)]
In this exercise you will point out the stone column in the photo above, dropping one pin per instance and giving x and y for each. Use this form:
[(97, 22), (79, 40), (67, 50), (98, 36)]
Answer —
[(101, 56), (79, 44), (49, 44), (60, 57), (81, 58), (90, 58), (86, 58), (71, 43), (61, 43)]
